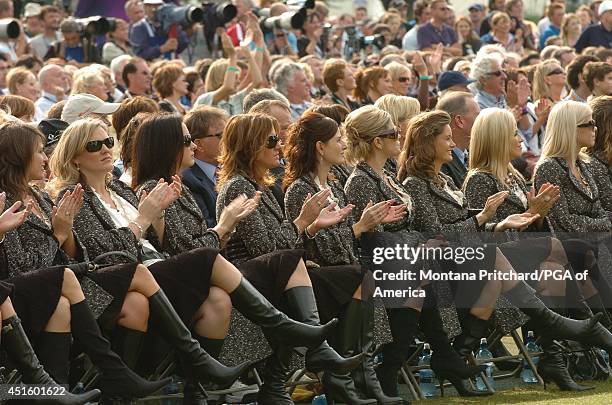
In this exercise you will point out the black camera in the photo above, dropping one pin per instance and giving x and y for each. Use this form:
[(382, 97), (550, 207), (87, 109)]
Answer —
[(376, 40), (170, 14), (217, 15), (93, 26), (293, 19)]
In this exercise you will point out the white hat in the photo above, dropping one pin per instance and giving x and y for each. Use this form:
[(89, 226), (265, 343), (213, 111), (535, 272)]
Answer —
[(604, 7), (79, 105), (31, 10), (153, 2)]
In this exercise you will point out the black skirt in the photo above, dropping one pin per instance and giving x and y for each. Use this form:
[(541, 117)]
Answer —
[(526, 254), (6, 290), (333, 286), (115, 280), (35, 296), (185, 278)]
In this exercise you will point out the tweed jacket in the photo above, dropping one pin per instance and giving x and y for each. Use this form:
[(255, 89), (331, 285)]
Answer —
[(264, 231), (97, 230), (341, 173), (578, 210), (185, 227), (602, 174), (437, 212), (33, 245), (331, 246)]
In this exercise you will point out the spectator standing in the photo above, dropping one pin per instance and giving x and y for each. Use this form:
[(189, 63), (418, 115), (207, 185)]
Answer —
[(32, 25), (556, 12), (134, 11), (118, 44), (74, 47), (422, 14), (477, 15), (599, 34), (309, 42), (437, 31), (51, 19)]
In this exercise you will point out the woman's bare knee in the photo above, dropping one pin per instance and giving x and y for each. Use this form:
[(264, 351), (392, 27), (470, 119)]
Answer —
[(135, 311), (71, 288), (144, 282), (60, 319), (557, 252)]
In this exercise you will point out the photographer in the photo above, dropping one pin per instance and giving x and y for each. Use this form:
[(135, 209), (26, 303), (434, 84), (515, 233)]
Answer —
[(309, 42), (148, 39), (75, 48)]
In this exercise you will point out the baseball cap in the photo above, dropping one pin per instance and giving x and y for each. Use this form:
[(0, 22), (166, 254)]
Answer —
[(605, 6), (451, 78), (476, 6), (31, 10), (53, 129), (153, 2), (79, 105)]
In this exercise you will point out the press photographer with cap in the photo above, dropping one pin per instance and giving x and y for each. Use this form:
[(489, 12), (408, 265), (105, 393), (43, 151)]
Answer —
[(148, 39), (74, 48)]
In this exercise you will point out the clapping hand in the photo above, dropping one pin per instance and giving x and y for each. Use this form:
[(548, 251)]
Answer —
[(62, 216), (12, 218), (546, 198), (520, 222), (330, 216), (313, 205)]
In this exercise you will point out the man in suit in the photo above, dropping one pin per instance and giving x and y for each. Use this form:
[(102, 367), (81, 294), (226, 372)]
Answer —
[(463, 110), (205, 124)]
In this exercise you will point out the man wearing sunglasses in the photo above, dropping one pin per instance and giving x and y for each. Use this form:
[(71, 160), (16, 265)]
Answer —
[(490, 80), (206, 125), (438, 31)]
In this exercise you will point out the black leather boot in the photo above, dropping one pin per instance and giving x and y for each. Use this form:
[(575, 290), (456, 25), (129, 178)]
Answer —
[(201, 365), (342, 386), (193, 393), (303, 307), (598, 307), (256, 308), (552, 367), (362, 312), (117, 379), (404, 323), (552, 324), (21, 353), (472, 330), (274, 375), (128, 344), (53, 350)]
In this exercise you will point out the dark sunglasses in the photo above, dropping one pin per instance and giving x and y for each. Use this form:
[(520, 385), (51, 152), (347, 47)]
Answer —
[(588, 124), (187, 141), (403, 79), (272, 141), (389, 134), (497, 73), (95, 146), (556, 72)]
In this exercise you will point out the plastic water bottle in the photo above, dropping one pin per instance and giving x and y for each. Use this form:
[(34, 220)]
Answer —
[(319, 400), (484, 354), (527, 373), (427, 381), (606, 357)]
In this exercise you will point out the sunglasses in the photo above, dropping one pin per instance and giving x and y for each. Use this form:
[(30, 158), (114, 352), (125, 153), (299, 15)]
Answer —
[(588, 124), (403, 79), (497, 73), (95, 146), (187, 141), (272, 141), (389, 134), (556, 72)]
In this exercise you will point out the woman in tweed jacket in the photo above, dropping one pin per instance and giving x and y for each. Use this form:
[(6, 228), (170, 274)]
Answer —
[(314, 146), (246, 161), (600, 163), (441, 208), (372, 140), (84, 152), (34, 257), (494, 144)]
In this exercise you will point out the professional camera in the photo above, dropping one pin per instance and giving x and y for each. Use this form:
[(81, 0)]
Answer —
[(217, 15), (9, 29), (92, 26), (376, 40), (170, 14), (290, 20)]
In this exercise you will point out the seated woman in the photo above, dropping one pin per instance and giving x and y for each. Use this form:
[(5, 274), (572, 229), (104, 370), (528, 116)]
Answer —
[(19, 107), (372, 140), (48, 295), (249, 149), (371, 84), (314, 146), (170, 84), (14, 338), (199, 283), (493, 145), (440, 208)]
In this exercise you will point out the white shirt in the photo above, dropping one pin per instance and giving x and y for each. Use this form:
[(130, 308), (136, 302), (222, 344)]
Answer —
[(409, 42)]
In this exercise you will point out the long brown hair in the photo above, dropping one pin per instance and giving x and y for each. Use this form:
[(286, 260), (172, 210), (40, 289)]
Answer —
[(18, 143), (243, 139), (367, 79), (602, 114), (300, 150), (417, 158)]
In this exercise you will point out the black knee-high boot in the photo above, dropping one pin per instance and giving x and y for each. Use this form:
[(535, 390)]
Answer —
[(274, 375), (404, 324), (192, 394), (256, 308), (53, 349), (342, 386), (472, 330), (21, 353), (302, 304), (127, 343), (598, 307), (365, 375), (117, 379)]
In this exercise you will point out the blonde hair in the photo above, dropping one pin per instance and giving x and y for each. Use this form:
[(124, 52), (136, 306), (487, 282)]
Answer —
[(540, 87), (17, 76), (396, 69), (567, 19), (361, 127), (562, 129), (85, 80), (490, 143), (401, 108), (73, 142)]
